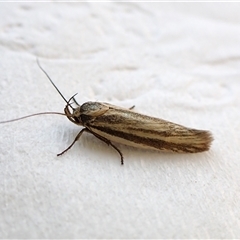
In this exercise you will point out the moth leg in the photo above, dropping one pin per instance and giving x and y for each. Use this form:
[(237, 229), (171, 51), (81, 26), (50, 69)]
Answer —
[(132, 107), (76, 138), (108, 142)]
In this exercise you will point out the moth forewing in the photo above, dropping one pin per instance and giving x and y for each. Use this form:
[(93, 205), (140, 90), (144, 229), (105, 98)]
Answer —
[(130, 128)]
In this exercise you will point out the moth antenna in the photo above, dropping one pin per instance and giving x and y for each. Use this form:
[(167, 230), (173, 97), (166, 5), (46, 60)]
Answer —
[(73, 98), (75, 101), (32, 115), (38, 63)]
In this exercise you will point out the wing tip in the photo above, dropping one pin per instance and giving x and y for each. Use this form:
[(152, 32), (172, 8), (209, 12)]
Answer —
[(205, 140)]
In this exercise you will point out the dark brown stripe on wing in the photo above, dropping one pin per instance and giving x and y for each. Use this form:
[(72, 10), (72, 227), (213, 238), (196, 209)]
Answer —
[(157, 143)]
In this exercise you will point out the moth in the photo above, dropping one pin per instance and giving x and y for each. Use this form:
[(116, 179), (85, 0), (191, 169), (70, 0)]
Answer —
[(111, 123)]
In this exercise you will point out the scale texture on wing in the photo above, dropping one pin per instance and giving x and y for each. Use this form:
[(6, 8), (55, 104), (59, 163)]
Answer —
[(134, 129)]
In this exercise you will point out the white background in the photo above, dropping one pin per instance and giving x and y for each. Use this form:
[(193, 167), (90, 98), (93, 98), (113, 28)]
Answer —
[(176, 61)]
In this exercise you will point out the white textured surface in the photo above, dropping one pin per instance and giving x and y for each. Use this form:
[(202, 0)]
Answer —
[(180, 62)]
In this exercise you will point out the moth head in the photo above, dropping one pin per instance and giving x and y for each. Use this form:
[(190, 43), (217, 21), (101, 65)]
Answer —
[(73, 113), (76, 112)]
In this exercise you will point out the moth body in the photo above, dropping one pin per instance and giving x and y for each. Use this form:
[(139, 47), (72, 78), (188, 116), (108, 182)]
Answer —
[(115, 124)]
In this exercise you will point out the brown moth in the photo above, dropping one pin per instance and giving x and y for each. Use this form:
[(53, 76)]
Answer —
[(111, 123)]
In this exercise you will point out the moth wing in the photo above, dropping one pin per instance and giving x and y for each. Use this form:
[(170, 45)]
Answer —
[(136, 129)]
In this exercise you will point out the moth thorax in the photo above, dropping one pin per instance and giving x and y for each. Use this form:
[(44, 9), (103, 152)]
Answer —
[(93, 109)]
